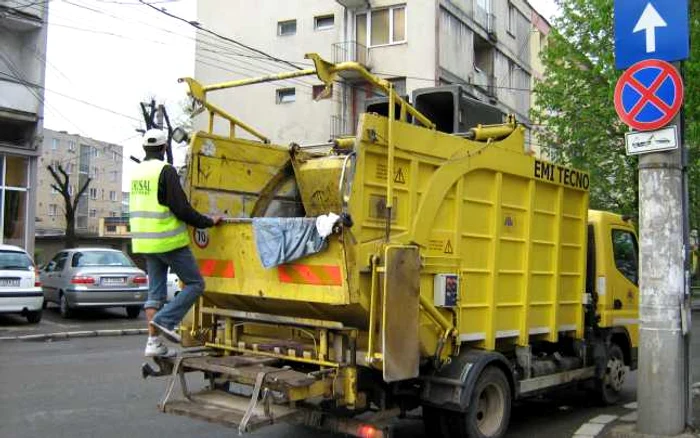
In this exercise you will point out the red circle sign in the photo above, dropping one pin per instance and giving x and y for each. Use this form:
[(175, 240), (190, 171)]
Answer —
[(649, 94)]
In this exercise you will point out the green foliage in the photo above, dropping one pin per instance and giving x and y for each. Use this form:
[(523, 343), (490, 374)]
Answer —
[(574, 104), (691, 71)]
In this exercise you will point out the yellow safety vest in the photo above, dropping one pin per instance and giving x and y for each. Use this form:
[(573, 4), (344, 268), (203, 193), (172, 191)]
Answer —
[(154, 228)]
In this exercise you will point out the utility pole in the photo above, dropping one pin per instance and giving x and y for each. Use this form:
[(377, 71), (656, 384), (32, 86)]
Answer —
[(662, 389)]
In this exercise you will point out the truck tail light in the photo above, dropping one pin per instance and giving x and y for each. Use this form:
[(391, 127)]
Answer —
[(140, 280), (80, 279)]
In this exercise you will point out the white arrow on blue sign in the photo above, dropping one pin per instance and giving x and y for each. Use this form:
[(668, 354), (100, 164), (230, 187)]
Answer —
[(650, 29)]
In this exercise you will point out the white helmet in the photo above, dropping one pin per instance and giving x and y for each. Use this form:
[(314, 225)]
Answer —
[(154, 138)]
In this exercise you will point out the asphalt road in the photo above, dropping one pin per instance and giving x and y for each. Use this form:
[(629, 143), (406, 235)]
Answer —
[(91, 387)]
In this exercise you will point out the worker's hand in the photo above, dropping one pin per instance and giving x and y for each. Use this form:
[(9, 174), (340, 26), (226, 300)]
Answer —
[(216, 219)]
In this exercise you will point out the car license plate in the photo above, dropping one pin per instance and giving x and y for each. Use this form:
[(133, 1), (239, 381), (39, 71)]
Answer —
[(113, 281), (9, 282)]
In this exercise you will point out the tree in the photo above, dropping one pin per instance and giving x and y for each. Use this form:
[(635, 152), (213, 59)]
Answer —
[(62, 185), (574, 105)]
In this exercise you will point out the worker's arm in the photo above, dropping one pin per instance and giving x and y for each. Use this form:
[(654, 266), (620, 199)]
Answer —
[(171, 195)]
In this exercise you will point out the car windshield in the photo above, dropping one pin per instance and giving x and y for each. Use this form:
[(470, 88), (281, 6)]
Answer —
[(15, 260), (100, 258)]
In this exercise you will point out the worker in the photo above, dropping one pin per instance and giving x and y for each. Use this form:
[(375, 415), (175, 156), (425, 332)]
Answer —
[(159, 212)]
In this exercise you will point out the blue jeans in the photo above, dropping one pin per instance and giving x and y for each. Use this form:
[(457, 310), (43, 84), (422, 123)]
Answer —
[(183, 264)]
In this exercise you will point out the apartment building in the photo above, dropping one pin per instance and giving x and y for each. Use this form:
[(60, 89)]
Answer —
[(81, 158), (538, 42), (483, 45), (23, 31)]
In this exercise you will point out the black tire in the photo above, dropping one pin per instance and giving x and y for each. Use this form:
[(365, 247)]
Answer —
[(489, 409), (34, 317), (132, 312), (435, 422), (609, 387), (64, 307)]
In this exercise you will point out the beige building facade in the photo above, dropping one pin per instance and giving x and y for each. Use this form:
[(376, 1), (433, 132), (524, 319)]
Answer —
[(81, 158), (483, 45)]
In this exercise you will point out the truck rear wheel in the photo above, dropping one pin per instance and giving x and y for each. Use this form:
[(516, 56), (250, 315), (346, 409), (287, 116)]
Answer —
[(489, 408), (610, 385)]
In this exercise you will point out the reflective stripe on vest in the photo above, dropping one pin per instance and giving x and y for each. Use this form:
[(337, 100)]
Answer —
[(154, 228)]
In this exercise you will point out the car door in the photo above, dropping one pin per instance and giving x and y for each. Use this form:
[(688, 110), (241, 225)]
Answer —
[(52, 274)]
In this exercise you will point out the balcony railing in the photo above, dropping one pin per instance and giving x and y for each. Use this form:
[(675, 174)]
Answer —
[(340, 127), (350, 51), (487, 21)]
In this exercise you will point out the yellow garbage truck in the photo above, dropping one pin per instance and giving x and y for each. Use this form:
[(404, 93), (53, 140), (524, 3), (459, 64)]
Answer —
[(401, 268)]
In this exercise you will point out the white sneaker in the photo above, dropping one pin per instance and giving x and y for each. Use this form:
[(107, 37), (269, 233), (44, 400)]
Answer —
[(170, 335), (155, 347)]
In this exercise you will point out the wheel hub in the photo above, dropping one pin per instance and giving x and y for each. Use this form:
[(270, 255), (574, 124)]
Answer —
[(616, 373), (489, 412)]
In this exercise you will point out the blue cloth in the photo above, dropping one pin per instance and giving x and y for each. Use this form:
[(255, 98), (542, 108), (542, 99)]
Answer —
[(281, 240), (182, 263)]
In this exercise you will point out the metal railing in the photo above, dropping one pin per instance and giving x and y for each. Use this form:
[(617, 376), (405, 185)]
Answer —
[(340, 127), (350, 51)]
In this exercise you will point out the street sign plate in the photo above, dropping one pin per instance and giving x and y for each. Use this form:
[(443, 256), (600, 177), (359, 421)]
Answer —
[(650, 29), (649, 95), (653, 141)]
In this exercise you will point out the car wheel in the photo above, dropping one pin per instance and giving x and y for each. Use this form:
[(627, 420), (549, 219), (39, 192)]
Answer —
[(34, 317), (66, 311), (132, 312)]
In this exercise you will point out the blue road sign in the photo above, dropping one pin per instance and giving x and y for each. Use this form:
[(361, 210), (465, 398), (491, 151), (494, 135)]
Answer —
[(650, 29)]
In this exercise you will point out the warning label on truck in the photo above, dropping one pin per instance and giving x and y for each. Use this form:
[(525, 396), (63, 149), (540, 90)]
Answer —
[(399, 173), (561, 175)]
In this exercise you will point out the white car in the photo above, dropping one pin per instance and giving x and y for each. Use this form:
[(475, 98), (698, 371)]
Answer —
[(173, 285), (20, 288)]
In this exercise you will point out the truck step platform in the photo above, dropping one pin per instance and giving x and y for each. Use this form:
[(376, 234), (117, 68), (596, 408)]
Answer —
[(228, 410)]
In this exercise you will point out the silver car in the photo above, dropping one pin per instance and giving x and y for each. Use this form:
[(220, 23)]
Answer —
[(94, 278)]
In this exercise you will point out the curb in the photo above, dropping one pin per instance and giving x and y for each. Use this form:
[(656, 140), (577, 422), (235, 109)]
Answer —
[(77, 334)]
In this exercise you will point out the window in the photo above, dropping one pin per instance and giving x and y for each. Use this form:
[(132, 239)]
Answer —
[(93, 193), (53, 190), (286, 95), (69, 168), (113, 214), (55, 164), (317, 92), (57, 263), (95, 152), (324, 22), (103, 194), (625, 251), (112, 195), (382, 26), (101, 258), (286, 28), (111, 228), (511, 74), (93, 213), (54, 143), (510, 25), (53, 209), (71, 145), (15, 260), (115, 156), (70, 190)]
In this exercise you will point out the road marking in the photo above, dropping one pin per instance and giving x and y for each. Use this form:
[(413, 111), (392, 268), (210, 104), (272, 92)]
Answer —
[(630, 418), (589, 429), (603, 419), (632, 405)]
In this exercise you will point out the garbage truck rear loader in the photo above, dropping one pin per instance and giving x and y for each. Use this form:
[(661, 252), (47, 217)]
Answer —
[(461, 275)]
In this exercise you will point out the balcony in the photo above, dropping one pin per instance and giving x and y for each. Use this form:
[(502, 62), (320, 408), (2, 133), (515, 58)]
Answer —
[(354, 4), (18, 99), (22, 16), (487, 83), (340, 127), (487, 21), (350, 51)]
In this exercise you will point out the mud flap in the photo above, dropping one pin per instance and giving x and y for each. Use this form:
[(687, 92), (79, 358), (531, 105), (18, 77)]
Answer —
[(400, 313)]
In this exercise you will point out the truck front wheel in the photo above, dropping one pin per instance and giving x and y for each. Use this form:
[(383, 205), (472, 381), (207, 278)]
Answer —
[(489, 408), (610, 385)]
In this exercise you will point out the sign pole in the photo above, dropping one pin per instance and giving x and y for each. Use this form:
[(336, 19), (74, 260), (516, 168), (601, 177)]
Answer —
[(662, 387)]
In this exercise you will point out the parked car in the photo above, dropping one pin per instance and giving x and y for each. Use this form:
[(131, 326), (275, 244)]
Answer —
[(173, 285), (20, 290), (94, 278)]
